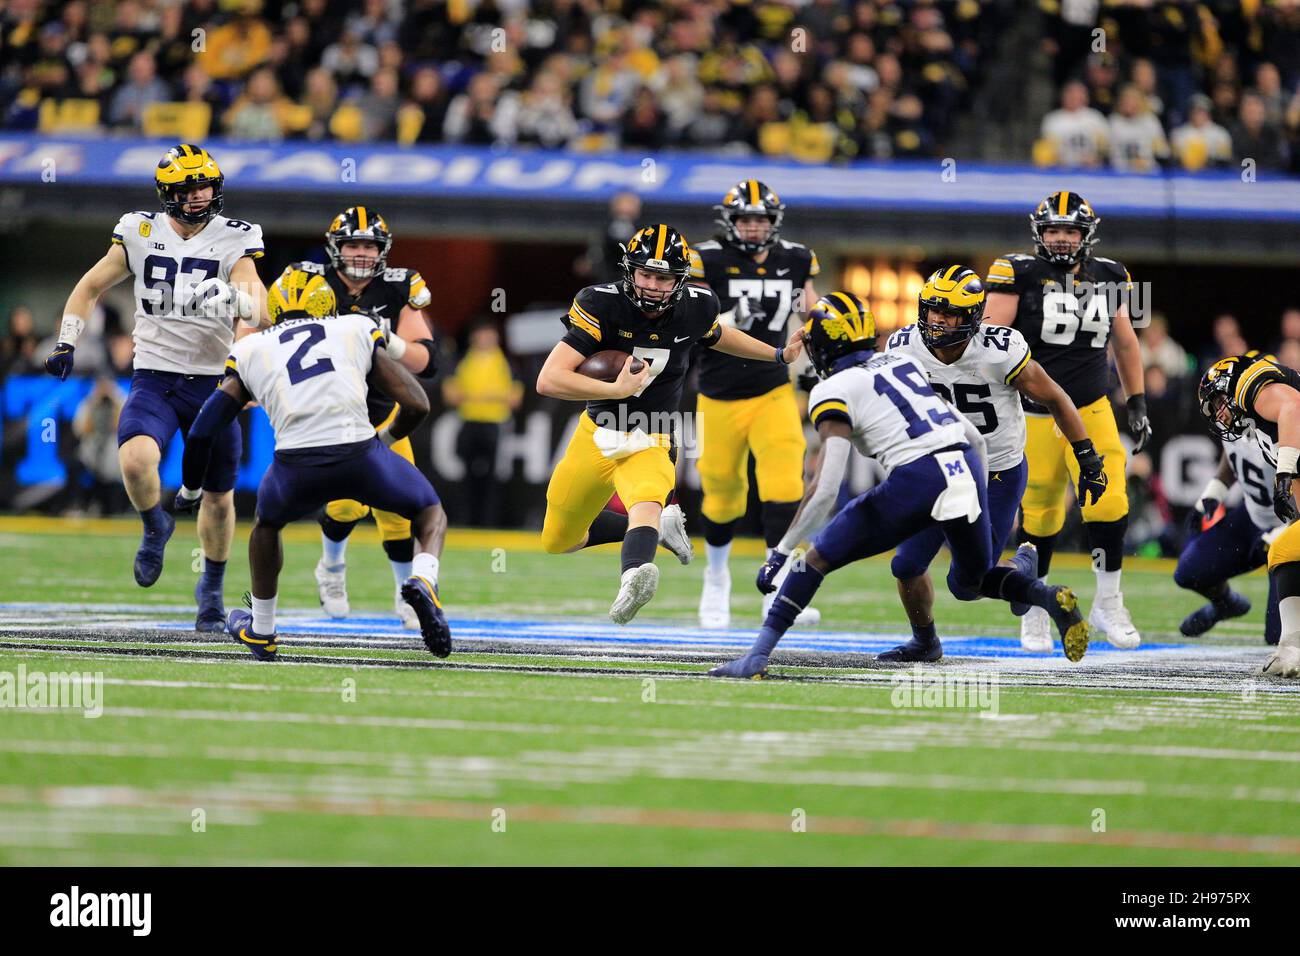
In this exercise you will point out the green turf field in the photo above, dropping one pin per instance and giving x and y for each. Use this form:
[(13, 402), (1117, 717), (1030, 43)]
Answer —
[(371, 752)]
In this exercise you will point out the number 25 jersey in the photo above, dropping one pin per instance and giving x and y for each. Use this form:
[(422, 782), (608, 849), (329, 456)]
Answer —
[(310, 376), (1066, 319)]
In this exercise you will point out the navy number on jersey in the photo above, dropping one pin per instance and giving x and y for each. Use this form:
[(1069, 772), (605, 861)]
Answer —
[(161, 274), (921, 400), (1252, 477), (297, 372)]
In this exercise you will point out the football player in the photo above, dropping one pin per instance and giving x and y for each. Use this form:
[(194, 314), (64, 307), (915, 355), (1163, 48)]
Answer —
[(312, 371), (625, 436), (1069, 304), (884, 406), (357, 243), (1234, 543), (1259, 399), (194, 276), (982, 370), (745, 407)]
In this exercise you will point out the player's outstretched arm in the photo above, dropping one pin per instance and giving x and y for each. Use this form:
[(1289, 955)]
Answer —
[(559, 378), (411, 345), (397, 383), (102, 276), (1000, 308), (222, 407), (738, 343), (1280, 403)]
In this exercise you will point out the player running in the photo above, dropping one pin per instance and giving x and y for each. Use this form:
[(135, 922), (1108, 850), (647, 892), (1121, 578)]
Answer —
[(747, 407), (1069, 304), (194, 276), (312, 371), (884, 406), (624, 439), (1235, 543), (1260, 399), (357, 243), (983, 370)]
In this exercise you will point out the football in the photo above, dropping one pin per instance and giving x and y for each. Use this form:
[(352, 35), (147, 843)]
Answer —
[(607, 364)]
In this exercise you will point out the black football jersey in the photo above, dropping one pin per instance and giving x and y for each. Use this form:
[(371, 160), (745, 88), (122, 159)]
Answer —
[(384, 297), (1066, 319), (774, 286), (1250, 373), (602, 317)]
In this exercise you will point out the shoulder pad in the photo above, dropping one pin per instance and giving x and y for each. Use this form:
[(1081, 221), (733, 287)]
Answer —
[(709, 244), (787, 244)]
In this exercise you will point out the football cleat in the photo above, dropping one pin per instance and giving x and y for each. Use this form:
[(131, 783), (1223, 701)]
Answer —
[(808, 617), (914, 651), (1202, 619), (1074, 629), (1025, 560), (333, 589), (1285, 662), (149, 557), (423, 597), (240, 626), (405, 613), (672, 534), (1036, 631), (635, 589), (715, 600), (1111, 619), (212, 610), (750, 667)]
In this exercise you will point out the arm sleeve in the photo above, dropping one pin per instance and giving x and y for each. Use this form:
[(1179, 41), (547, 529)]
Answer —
[(217, 412), (1260, 373), (1002, 276), (815, 511), (697, 265), (418, 295)]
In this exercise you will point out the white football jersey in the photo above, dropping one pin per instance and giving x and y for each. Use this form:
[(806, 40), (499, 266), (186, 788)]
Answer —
[(979, 385), (895, 415), (310, 376), (168, 337), (1255, 475)]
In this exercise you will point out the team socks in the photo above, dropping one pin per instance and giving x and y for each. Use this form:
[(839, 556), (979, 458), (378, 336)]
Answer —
[(639, 546), (154, 522), (795, 595), (425, 565), (264, 616)]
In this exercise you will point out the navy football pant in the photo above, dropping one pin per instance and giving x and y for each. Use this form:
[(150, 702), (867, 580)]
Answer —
[(1231, 546)]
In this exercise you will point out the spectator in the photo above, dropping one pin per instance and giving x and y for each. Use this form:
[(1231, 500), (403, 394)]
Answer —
[(1162, 352), (470, 115), (351, 62), (1137, 141), (1228, 340), (260, 115), (95, 427), (603, 259), (236, 48), (1268, 87), (644, 125), (1290, 326), (680, 94), (321, 97), (1077, 134), (484, 393), (18, 349), (1254, 138), (429, 95), (541, 116), (141, 89), (1201, 142), (379, 107)]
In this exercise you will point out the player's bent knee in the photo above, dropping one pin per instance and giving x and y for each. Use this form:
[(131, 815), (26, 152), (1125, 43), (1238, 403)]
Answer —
[(722, 509), (904, 567), (1112, 506), (560, 537), (962, 586), (346, 511)]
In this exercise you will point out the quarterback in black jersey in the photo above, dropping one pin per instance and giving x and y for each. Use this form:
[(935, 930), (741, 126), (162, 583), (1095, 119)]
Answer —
[(746, 407), (357, 242), (1251, 398), (1070, 305), (623, 440)]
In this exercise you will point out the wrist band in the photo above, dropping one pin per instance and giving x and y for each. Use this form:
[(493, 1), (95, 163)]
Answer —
[(1286, 459), (71, 329), (396, 346)]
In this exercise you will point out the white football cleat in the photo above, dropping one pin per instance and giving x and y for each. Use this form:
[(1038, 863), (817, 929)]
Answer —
[(1110, 618), (333, 588), (1036, 631), (405, 613), (636, 588), (715, 601), (1285, 661), (672, 533), (808, 617)]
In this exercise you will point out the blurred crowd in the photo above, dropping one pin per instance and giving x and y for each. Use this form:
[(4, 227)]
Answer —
[(1146, 84)]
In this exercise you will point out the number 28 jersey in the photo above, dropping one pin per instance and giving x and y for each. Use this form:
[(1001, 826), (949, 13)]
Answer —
[(895, 414), (979, 385), (310, 376), (1066, 319), (168, 336)]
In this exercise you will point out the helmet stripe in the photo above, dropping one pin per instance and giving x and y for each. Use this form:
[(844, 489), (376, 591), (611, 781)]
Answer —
[(1064, 203), (659, 244), (361, 219), (753, 192)]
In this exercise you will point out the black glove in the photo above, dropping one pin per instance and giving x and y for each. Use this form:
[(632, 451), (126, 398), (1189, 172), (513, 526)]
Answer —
[(771, 568), (186, 506), (1092, 477), (59, 362), (1138, 423), (807, 380), (1283, 501)]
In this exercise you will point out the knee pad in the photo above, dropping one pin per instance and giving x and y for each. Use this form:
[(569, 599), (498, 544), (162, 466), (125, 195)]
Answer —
[(392, 527), (558, 536), (904, 567), (961, 588), (1112, 506)]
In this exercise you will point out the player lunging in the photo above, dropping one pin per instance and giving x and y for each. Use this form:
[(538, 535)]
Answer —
[(982, 370), (1260, 399), (884, 406), (745, 407), (194, 275), (311, 371), (624, 438), (357, 242), (1069, 304)]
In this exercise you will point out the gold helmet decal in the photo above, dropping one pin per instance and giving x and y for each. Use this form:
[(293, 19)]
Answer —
[(838, 324), (300, 294), (182, 168)]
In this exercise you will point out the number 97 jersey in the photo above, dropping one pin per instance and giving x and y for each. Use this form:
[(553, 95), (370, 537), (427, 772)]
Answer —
[(169, 336), (980, 385)]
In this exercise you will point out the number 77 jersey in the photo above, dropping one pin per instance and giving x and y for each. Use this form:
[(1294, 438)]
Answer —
[(310, 376), (980, 385)]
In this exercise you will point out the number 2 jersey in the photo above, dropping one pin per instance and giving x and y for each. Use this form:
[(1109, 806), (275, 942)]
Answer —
[(979, 385), (1065, 318), (895, 415), (310, 375), (168, 337), (774, 287)]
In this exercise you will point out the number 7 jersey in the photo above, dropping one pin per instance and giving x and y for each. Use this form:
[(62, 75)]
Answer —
[(168, 336), (310, 376)]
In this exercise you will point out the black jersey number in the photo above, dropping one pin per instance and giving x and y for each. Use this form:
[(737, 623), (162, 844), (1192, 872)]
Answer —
[(1062, 321), (966, 398)]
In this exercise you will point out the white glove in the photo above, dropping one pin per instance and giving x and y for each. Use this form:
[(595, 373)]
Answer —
[(395, 344), (1215, 491), (217, 299)]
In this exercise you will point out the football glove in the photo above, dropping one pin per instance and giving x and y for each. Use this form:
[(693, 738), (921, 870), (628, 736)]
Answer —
[(1138, 423), (185, 505), (1283, 501), (217, 299), (748, 313), (59, 362), (766, 581), (1092, 477)]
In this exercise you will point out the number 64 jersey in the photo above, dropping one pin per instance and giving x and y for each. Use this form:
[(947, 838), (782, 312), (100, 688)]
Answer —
[(310, 375), (979, 385)]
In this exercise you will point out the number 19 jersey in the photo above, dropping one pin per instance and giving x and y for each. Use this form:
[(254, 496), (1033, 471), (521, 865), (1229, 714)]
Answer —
[(310, 376)]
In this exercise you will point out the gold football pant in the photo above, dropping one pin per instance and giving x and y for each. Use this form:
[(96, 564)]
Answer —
[(767, 426), (392, 527), (585, 480), (1052, 463), (1285, 549)]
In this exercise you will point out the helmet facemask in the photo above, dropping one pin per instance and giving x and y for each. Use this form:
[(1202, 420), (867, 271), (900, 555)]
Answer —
[(358, 267), (1225, 419), (652, 300), (939, 335), (176, 198)]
